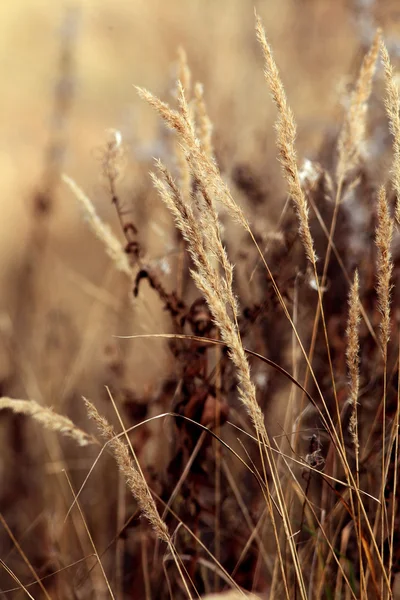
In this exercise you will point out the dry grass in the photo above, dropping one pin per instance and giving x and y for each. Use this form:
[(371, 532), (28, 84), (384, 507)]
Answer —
[(48, 419), (238, 328), (134, 477), (286, 135)]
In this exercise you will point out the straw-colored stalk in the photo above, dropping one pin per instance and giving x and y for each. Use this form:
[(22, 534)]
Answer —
[(286, 136), (48, 419), (352, 135), (353, 359), (392, 104)]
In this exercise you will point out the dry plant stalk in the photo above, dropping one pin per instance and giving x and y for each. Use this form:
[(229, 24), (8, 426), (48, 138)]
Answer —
[(383, 239), (286, 136), (353, 132), (112, 245), (353, 359), (134, 479), (349, 150), (392, 104), (48, 419)]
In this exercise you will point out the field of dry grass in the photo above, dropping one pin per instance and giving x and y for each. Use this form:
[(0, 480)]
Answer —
[(199, 324)]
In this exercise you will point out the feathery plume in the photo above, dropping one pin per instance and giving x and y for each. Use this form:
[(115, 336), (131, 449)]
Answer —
[(48, 419), (353, 131), (203, 167), (172, 118), (203, 122), (383, 239), (185, 79), (392, 104), (134, 479), (112, 245), (184, 73), (216, 290), (286, 136), (202, 254)]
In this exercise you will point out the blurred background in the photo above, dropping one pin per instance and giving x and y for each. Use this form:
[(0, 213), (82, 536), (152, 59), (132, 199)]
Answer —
[(98, 51), (69, 73)]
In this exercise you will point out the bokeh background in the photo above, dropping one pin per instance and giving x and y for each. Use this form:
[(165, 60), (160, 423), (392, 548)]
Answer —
[(69, 73)]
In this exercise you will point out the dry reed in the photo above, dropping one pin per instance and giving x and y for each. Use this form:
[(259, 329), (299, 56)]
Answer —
[(185, 77), (203, 167), (216, 290)]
